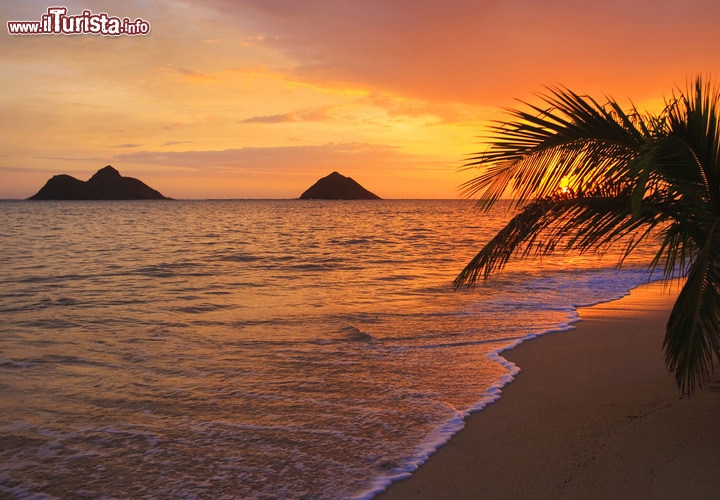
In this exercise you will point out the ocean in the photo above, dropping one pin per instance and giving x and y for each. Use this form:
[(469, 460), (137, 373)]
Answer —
[(257, 349)]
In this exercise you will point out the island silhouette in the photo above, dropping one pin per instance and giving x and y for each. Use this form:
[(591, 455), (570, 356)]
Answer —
[(337, 187), (106, 184)]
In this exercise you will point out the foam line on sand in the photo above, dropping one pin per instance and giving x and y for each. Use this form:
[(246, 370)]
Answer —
[(593, 414)]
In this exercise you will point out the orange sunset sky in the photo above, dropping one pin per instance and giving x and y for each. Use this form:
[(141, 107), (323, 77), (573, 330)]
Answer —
[(260, 98)]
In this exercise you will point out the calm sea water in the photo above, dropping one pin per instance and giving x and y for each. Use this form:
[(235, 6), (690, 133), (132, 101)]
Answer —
[(255, 349)]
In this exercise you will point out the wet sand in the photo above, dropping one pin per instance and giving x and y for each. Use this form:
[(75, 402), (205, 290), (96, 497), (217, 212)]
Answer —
[(593, 414)]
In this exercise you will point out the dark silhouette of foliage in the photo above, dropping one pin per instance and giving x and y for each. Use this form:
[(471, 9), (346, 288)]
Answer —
[(631, 175)]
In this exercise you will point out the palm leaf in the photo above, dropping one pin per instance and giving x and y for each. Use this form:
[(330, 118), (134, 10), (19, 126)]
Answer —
[(587, 224), (574, 137), (693, 332), (633, 176)]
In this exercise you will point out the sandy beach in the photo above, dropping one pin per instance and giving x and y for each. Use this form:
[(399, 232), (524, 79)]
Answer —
[(593, 414)]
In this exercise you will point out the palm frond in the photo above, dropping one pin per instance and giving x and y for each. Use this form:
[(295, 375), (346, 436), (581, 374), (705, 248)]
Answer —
[(586, 224), (574, 137), (693, 333), (633, 176), (519, 232)]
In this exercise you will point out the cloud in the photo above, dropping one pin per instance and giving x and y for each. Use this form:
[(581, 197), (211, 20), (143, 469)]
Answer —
[(471, 50), (253, 40), (316, 115), (397, 107), (272, 119), (285, 158), (174, 143), (197, 75), (34, 170), (284, 172), (64, 158), (126, 146)]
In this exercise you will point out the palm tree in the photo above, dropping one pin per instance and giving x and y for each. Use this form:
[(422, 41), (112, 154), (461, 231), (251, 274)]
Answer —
[(631, 176)]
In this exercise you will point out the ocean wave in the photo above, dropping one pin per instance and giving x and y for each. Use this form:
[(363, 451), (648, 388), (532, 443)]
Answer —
[(201, 308), (354, 334)]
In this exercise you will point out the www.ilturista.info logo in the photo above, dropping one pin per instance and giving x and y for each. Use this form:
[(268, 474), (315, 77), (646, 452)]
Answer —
[(57, 22)]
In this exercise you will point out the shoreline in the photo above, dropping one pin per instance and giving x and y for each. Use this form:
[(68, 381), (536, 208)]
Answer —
[(593, 413)]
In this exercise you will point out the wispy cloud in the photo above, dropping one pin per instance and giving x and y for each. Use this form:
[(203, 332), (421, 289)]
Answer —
[(254, 40), (316, 115), (73, 158), (126, 146), (285, 158), (197, 75), (271, 119), (286, 171)]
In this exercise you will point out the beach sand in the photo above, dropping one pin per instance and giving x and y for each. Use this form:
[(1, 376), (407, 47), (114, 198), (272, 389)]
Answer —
[(593, 414)]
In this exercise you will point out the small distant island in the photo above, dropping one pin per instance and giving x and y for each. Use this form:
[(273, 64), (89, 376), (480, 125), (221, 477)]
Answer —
[(337, 187), (106, 184)]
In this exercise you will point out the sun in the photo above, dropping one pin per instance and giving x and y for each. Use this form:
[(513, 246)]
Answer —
[(564, 186)]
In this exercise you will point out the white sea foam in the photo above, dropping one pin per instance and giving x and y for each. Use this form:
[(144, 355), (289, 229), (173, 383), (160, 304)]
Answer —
[(444, 433)]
